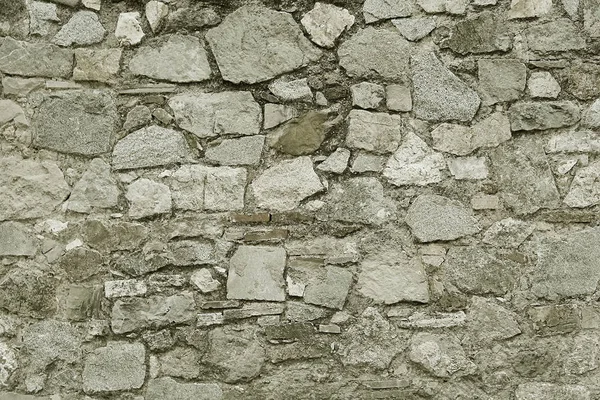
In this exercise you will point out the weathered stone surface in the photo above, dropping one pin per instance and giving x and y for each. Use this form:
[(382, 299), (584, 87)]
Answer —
[(124, 288), (42, 17), (326, 286), (438, 94), (133, 313), (374, 132), (365, 162), (192, 18), (358, 200), (51, 341), (150, 147), (118, 366), (137, 117), (591, 116), (331, 250), (16, 240), (326, 22), (256, 273), (242, 151), (485, 33), (283, 186), (79, 122), (367, 95), (585, 187), (96, 189), (529, 8), (204, 281), (179, 59), (21, 86), (277, 114), (453, 139), (182, 362), (521, 170), (237, 353), (337, 162), (376, 10), (488, 321), (246, 51), (162, 388), (574, 142), (556, 36), (212, 114), (440, 355), (291, 90), (414, 163), (129, 28), (190, 252), (224, 189), (8, 364), (392, 277), (508, 232), (468, 168), (398, 97), (84, 28), (100, 65), (591, 18), (548, 391), (432, 218), (541, 84), (300, 136), (456, 7), (28, 292), (491, 131), (375, 52), (527, 116), (30, 189), (156, 12), (501, 80), (148, 198), (34, 59), (584, 81), (414, 29)]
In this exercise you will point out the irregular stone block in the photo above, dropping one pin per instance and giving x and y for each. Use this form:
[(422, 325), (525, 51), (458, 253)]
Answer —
[(300, 136), (179, 59), (163, 388), (291, 90), (501, 80), (97, 188), (118, 366), (471, 168), (414, 29), (508, 232), (124, 288), (325, 286), (254, 44), (337, 162), (484, 33), (529, 8), (367, 95), (376, 10), (456, 7), (374, 132), (550, 391), (553, 37), (591, 17), (488, 321), (84, 28), (326, 22), (585, 187), (584, 81), (16, 239), (277, 114), (129, 29), (242, 151), (148, 198), (100, 65), (541, 84), (28, 293), (35, 59), (440, 355)]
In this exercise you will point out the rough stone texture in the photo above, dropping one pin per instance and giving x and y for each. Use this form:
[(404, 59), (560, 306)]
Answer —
[(294, 90), (367, 95), (414, 29), (529, 8), (100, 65), (118, 366), (84, 28), (556, 36), (441, 355), (544, 390), (256, 273), (484, 33), (16, 240), (584, 81), (438, 93), (374, 132), (433, 217), (212, 114), (242, 151), (179, 59), (375, 10), (501, 80), (326, 22), (35, 59), (162, 388), (527, 116), (129, 28), (97, 188), (79, 122), (543, 85), (148, 198), (300, 136), (584, 190), (246, 52), (375, 52)]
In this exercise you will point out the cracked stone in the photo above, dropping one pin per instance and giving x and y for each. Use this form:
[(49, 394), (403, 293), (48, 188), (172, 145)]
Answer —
[(256, 273), (324, 286), (97, 188), (156, 12), (337, 162), (326, 22), (277, 114), (414, 29), (300, 136)]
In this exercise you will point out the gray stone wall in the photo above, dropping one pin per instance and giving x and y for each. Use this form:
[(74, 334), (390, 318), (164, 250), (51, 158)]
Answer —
[(347, 199)]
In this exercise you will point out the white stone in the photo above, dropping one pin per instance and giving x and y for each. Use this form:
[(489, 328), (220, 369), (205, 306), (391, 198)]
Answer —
[(482, 201), (224, 189), (491, 131), (84, 28), (277, 114), (574, 142), (295, 90), (129, 29), (124, 288), (572, 8), (204, 281), (374, 132), (187, 187), (96, 188), (585, 187), (242, 151), (209, 319), (414, 29), (148, 198), (468, 168), (326, 22), (453, 139), (156, 12), (367, 95), (414, 163), (529, 8), (398, 97), (92, 4), (337, 162), (442, 355), (376, 10), (283, 186), (542, 84), (295, 289), (256, 273)]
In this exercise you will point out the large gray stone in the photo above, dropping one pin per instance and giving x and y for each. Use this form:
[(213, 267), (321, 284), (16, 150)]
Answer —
[(148, 198), (529, 8), (374, 132), (484, 33), (440, 355), (97, 188), (432, 218), (501, 80), (212, 114), (584, 81), (42, 17), (118, 366), (84, 28), (166, 388), (254, 44), (393, 276), (378, 53), (178, 59), (150, 147), (34, 59), (79, 122), (324, 286), (591, 17), (326, 22), (567, 265), (256, 273), (284, 185), (414, 29), (551, 391), (16, 239), (100, 65), (488, 321), (28, 292), (527, 116), (133, 313), (553, 37), (376, 10), (49, 341), (30, 189), (521, 170), (585, 187), (438, 93)]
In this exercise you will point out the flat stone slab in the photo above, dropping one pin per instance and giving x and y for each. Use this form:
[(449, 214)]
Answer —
[(165, 387), (256, 273), (118, 366), (34, 59)]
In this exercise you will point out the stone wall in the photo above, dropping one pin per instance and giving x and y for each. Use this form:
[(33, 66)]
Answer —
[(284, 199)]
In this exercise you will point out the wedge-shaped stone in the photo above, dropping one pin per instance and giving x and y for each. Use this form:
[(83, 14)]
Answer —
[(501, 80), (34, 59), (150, 147), (97, 188), (179, 59), (254, 44), (256, 273), (374, 132), (30, 189), (78, 122), (585, 187), (528, 116), (432, 218), (414, 163), (488, 321), (84, 28), (324, 286), (374, 52), (148, 198), (439, 94), (212, 114)]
